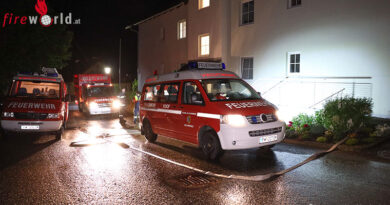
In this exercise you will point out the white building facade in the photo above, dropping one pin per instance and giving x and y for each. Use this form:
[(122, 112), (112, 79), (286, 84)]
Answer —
[(297, 53)]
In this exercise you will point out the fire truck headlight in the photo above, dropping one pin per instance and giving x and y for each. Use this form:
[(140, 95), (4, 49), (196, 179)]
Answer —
[(116, 104), (53, 115), (234, 120), (8, 114), (93, 105)]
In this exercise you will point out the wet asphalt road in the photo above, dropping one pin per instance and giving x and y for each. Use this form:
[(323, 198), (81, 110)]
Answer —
[(40, 170)]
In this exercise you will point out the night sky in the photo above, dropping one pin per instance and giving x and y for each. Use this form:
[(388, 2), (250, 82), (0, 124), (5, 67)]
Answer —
[(96, 40)]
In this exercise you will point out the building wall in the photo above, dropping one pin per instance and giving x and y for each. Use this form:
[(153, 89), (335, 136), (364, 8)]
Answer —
[(343, 44), (344, 48), (161, 53)]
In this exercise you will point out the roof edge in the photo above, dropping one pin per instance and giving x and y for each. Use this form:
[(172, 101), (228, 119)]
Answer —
[(159, 14)]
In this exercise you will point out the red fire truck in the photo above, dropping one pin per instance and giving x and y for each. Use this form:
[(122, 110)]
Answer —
[(95, 94), (36, 103), (210, 107)]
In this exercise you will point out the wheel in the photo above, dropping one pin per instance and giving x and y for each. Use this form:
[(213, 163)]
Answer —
[(60, 133), (210, 145), (149, 134)]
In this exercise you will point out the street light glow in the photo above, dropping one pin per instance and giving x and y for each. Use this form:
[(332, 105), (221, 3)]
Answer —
[(107, 70)]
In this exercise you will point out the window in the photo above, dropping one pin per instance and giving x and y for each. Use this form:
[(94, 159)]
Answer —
[(35, 89), (203, 4), (247, 12), (247, 68), (151, 93), (170, 93), (229, 90), (204, 45), (191, 94), (294, 3), (181, 29), (294, 62)]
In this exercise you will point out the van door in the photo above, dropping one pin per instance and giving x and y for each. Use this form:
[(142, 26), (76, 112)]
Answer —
[(170, 110), (192, 102)]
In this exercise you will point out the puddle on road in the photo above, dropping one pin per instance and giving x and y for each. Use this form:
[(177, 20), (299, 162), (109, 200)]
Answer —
[(191, 181)]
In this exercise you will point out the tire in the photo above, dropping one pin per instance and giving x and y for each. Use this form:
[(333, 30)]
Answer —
[(149, 134), (210, 145), (60, 133)]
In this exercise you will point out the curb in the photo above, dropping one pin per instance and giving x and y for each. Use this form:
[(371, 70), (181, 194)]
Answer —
[(345, 148)]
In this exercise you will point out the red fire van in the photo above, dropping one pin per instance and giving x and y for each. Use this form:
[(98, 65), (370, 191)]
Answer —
[(209, 107), (36, 103)]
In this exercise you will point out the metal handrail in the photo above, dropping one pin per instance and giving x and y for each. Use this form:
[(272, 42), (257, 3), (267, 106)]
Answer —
[(280, 82), (336, 93)]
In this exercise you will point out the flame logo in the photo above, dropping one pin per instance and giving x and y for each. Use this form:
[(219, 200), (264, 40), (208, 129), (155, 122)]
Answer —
[(41, 7)]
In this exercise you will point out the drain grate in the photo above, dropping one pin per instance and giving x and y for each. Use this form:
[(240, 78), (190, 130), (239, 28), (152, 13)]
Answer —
[(192, 181), (384, 154)]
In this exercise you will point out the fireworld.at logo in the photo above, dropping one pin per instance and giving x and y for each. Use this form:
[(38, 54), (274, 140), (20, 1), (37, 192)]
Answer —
[(44, 19)]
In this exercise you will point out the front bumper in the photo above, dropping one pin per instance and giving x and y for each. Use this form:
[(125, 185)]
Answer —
[(30, 126), (102, 111), (233, 138)]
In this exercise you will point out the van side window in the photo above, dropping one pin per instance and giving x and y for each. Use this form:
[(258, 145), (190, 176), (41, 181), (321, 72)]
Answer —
[(151, 93), (191, 94), (170, 93)]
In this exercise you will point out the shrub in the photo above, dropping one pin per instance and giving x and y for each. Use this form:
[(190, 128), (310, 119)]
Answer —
[(321, 139), (305, 136), (352, 141), (346, 115), (368, 140), (301, 123)]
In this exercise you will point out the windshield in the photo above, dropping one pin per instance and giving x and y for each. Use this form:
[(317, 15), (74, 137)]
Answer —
[(101, 91), (229, 90), (35, 89)]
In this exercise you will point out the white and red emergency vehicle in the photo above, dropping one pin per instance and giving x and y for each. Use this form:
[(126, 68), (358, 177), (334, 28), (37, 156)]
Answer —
[(210, 107), (95, 94), (36, 103)]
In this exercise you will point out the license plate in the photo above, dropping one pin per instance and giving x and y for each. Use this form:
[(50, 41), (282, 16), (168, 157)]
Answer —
[(30, 127), (270, 138)]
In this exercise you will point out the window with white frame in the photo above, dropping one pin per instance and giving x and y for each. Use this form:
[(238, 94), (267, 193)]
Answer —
[(204, 4), (204, 45), (247, 68), (294, 3), (294, 62), (181, 29), (247, 12)]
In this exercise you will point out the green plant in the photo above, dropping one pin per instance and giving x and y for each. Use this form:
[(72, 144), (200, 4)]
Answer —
[(346, 115), (305, 136), (368, 140), (301, 123), (321, 139), (319, 117), (352, 141)]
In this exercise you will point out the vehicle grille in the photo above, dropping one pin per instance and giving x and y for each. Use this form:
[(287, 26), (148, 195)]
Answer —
[(262, 118), (30, 116), (257, 133), (104, 104)]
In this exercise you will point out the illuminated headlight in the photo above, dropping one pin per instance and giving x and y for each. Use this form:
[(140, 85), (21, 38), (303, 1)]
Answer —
[(278, 115), (93, 105), (234, 120), (53, 115), (8, 114), (116, 104)]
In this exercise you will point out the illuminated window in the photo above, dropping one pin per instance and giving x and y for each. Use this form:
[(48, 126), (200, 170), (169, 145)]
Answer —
[(247, 12), (294, 62), (204, 3), (181, 29), (294, 3), (204, 44), (247, 68)]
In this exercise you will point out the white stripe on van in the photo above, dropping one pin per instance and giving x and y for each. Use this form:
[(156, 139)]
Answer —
[(207, 115), (179, 112)]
